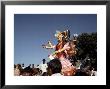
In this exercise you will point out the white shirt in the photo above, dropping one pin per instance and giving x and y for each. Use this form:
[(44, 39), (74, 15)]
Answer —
[(23, 67), (56, 74), (43, 67)]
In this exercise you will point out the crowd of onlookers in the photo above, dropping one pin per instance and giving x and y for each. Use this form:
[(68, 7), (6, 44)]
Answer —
[(53, 68)]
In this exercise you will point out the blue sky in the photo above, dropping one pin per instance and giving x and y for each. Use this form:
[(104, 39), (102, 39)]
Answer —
[(33, 30)]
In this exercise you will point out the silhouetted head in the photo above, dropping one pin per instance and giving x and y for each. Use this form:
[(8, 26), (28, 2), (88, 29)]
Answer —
[(44, 61), (54, 66)]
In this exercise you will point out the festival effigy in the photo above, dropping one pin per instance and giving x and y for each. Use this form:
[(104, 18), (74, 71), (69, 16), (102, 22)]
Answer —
[(63, 50)]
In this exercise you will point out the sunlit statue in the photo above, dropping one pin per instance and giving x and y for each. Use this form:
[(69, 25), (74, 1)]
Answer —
[(64, 49)]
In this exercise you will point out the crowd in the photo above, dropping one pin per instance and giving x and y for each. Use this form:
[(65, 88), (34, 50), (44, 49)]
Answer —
[(53, 68)]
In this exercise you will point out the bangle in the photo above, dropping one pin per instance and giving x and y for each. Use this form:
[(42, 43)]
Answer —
[(62, 49)]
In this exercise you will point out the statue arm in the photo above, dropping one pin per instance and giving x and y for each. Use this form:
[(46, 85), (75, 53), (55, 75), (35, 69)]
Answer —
[(49, 46)]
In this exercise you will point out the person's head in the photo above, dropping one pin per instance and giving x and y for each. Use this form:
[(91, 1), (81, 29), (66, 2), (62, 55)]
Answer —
[(43, 61), (23, 65), (54, 66), (30, 65), (18, 66)]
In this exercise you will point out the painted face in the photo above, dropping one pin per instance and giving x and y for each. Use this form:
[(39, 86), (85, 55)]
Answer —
[(59, 37)]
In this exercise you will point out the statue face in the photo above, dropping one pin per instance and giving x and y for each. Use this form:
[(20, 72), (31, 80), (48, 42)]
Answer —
[(59, 37)]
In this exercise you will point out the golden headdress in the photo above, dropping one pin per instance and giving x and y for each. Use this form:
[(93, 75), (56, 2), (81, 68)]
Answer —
[(65, 34)]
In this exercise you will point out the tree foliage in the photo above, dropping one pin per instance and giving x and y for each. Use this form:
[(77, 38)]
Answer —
[(87, 47)]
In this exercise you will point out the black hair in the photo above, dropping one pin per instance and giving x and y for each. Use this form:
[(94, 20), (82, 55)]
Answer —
[(80, 73), (43, 61), (55, 66)]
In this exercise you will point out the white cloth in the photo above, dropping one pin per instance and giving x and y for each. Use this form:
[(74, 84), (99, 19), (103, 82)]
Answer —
[(56, 74), (94, 73), (23, 67), (43, 67)]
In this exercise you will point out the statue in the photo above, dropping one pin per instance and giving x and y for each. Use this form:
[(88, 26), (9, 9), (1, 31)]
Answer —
[(64, 49)]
